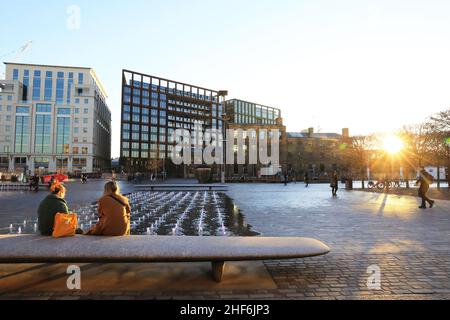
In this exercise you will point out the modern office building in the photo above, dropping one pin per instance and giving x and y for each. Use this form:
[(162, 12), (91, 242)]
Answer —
[(256, 119), (244, 112), (152, 109), (53, 119)]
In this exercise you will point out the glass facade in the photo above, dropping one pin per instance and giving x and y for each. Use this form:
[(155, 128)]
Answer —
[(26, 84), (243, 112), (63, 134), (43, 129), (60, 88), (22, 136), (153, 108), (48, 86), (37, 85), (69, 86)]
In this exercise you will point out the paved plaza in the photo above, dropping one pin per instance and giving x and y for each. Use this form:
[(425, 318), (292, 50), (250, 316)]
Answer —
[(411, 248)]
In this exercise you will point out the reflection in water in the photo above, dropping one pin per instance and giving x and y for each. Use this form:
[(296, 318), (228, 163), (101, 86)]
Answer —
[(167, 213)]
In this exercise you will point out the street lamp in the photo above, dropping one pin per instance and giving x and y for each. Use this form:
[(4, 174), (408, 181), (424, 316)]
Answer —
[(225, 119)]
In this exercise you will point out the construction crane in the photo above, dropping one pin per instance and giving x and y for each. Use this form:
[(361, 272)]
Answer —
[(18, 53)]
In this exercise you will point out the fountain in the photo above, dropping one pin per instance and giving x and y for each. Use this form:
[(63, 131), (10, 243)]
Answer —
[(186, 213)]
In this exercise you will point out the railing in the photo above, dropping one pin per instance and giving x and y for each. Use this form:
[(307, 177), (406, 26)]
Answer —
[(17, 187)]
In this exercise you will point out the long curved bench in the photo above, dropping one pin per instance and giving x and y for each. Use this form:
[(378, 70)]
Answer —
[(160, 249)]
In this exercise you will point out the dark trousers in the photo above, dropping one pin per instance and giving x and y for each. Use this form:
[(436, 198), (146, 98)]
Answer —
[(425, 199), (334, 190)]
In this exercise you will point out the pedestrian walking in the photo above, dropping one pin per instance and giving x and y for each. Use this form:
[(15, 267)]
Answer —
[(425, 180), (306, 180), (334, 184)]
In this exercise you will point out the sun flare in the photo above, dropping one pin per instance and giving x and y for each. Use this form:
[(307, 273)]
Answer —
[(393, 144)]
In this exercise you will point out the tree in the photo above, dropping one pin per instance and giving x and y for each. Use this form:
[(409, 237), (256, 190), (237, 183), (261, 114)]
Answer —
[(440, 141), (359, 149), (417, 139)]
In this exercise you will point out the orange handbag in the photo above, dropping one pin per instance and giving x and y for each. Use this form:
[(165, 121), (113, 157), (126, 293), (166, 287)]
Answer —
[(65, 225)]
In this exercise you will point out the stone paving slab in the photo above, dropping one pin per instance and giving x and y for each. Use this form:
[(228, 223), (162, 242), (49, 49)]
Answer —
[(336, 276), (410, 246)]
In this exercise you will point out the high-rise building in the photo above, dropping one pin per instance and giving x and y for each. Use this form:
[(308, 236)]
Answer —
[(53, 119), (152, 109)]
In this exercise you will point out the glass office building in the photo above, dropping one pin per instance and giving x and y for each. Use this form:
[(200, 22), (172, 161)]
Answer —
[(53, 119), (244, 112), (152, 109)]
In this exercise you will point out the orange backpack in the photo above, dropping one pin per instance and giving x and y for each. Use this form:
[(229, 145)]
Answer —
[(65, 225)]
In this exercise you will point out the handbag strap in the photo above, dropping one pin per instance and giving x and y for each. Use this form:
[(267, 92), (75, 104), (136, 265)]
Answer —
[(119, 201)]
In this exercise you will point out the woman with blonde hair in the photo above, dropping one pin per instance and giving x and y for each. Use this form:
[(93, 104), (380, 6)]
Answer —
[(51, 205), (114, 213)]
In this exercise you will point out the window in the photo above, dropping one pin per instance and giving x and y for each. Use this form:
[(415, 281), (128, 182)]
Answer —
[(75, 130), (77, 110), (44, 108), (86, 110), (76, 150), (43, 132), (22, 137), (63, 134), (60, 88), (77, 100), (84, 150), (37, 85), (26, 84), (48, 86), (69, 86), (64, 111), (16, 74), (9, 108), (86, 101), (80, 78), (23, 110), (85, 130)]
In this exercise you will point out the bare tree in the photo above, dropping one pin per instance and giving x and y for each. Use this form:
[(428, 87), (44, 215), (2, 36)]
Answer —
[(440, 141), (418, 146), (358, 153)]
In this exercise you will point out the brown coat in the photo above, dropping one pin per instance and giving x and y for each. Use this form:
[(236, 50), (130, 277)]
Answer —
[(114, 217)]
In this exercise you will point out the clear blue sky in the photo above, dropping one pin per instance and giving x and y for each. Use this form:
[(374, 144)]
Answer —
[(367, 65)]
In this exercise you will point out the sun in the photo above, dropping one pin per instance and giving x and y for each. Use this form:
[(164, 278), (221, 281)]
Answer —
[(393, 144)]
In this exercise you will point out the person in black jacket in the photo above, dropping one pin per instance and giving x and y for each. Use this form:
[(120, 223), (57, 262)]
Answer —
[(425, 180), (334, 184)]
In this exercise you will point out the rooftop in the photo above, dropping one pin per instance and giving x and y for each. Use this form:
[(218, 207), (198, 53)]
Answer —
[(91, 70), (305, 135)]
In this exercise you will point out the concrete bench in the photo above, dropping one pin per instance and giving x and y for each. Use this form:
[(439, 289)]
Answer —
[(181, 187), (157, 249)]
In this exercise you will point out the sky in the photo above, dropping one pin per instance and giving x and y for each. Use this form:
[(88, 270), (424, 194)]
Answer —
[(371, 66)]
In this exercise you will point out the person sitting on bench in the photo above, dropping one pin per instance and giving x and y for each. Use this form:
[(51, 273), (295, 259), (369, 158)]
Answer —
[(114, 213), (51, 205)]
